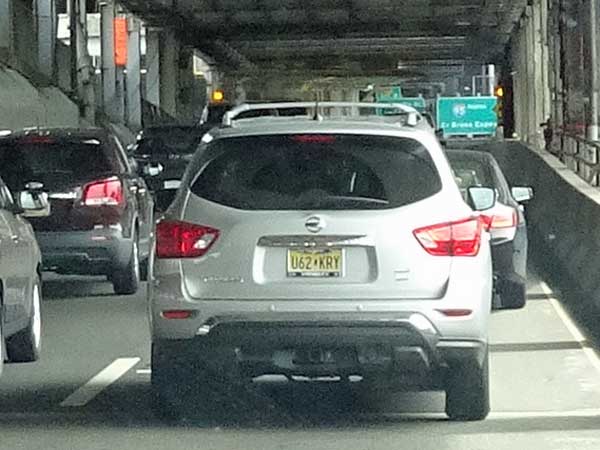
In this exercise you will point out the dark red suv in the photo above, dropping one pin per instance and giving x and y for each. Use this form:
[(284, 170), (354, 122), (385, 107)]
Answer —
[(100, 209)]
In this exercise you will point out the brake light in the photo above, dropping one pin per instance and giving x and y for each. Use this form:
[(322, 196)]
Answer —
[(32, 140), (177, 239), (508, 219), (314, 138), (461, 238), (107, 192)]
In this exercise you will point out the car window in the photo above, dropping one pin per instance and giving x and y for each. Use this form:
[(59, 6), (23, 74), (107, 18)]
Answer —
[(168, 144), (52, 162), (6, 199), (471, 171), (292, 172)]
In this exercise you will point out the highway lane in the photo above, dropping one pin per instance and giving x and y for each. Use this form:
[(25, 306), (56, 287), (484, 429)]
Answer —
[(545, 390)]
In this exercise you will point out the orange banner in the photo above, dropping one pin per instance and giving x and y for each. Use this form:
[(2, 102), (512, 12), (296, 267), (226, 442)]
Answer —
[(121, 38)]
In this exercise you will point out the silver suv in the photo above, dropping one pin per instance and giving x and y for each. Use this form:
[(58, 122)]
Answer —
[(312, 246)]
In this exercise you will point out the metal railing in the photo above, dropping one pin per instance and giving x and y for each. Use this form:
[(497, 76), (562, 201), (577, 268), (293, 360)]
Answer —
[(580, 155)]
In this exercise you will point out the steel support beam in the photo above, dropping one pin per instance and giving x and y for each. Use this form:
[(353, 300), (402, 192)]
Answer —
[(133, 83), (109, 76), (152, 94), (46, 32), (169, 72)]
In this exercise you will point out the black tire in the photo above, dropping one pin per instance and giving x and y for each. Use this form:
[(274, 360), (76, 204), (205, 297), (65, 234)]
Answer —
[(172, 380), (468, 391), (127, 280), (144, 269), (25, 345)]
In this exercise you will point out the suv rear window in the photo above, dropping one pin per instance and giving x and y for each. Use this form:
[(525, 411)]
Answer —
[(323, 171), (53, 162)]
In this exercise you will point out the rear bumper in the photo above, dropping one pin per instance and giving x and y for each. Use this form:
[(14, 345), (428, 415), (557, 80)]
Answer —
[(96, 252), (406, 348)]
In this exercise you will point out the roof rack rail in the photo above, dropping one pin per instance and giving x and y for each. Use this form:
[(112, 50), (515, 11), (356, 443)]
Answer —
[(230, 116)]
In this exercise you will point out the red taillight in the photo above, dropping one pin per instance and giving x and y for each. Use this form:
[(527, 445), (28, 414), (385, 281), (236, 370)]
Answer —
[(33, 140), (314, 138), (107, 192), (508, 219), (176, 239), (177, 314), (461, 238)]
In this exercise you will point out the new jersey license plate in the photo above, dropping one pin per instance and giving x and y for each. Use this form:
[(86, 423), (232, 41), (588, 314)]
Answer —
[(315, 263)]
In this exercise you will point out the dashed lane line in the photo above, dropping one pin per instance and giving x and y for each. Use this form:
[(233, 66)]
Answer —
[(589, 352), (99, 382)]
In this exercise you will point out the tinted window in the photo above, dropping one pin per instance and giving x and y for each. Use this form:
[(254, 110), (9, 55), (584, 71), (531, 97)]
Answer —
[(317, 172), (55, 162), (478, 171), (471, 172), (167, 144), (6, 198)]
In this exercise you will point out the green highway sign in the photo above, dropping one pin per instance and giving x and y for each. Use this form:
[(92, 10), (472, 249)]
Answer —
[(467, 115)]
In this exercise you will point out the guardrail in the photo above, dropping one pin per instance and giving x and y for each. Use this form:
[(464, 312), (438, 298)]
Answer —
[(581, 155)]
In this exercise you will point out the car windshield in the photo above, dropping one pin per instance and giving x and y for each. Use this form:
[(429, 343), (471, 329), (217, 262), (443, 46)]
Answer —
[(318, 172)]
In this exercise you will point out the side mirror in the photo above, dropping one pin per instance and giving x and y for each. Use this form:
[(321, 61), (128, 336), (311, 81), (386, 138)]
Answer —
[(153, 170), (33, 202), (522, 194), (481, 198)]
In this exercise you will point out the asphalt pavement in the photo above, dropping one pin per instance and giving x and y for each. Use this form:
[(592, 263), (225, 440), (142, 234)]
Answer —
[(91, 390)]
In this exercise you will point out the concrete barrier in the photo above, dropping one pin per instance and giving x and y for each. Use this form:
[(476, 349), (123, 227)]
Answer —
[(22, 105)]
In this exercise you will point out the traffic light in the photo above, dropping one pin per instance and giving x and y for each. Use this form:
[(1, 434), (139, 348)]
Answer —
[(499, 91), (218, 96)]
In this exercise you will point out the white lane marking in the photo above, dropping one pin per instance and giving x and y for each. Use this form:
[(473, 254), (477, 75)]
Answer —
[(543, 414), (591, 354), (100, 381), (494, 415), (143, 371)]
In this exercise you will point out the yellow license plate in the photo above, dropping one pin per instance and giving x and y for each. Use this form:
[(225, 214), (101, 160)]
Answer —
[(315, 263)]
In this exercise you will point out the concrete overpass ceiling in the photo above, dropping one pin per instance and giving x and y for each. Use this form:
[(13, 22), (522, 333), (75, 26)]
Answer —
[(330, 36)]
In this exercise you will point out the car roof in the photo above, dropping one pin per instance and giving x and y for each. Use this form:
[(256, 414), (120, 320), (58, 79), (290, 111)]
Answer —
[(58, 133)]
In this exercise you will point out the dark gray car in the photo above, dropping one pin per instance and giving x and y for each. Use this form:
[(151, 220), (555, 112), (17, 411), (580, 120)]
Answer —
[(506, 221)]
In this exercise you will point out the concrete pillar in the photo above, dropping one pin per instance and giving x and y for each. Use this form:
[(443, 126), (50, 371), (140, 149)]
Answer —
[(109, 76), (530, 75), (545, 68), (5, 27), (133, 87), (169, 73), (538, 80), (113, 78), (591, 64), (46, 32), (152, 94)]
